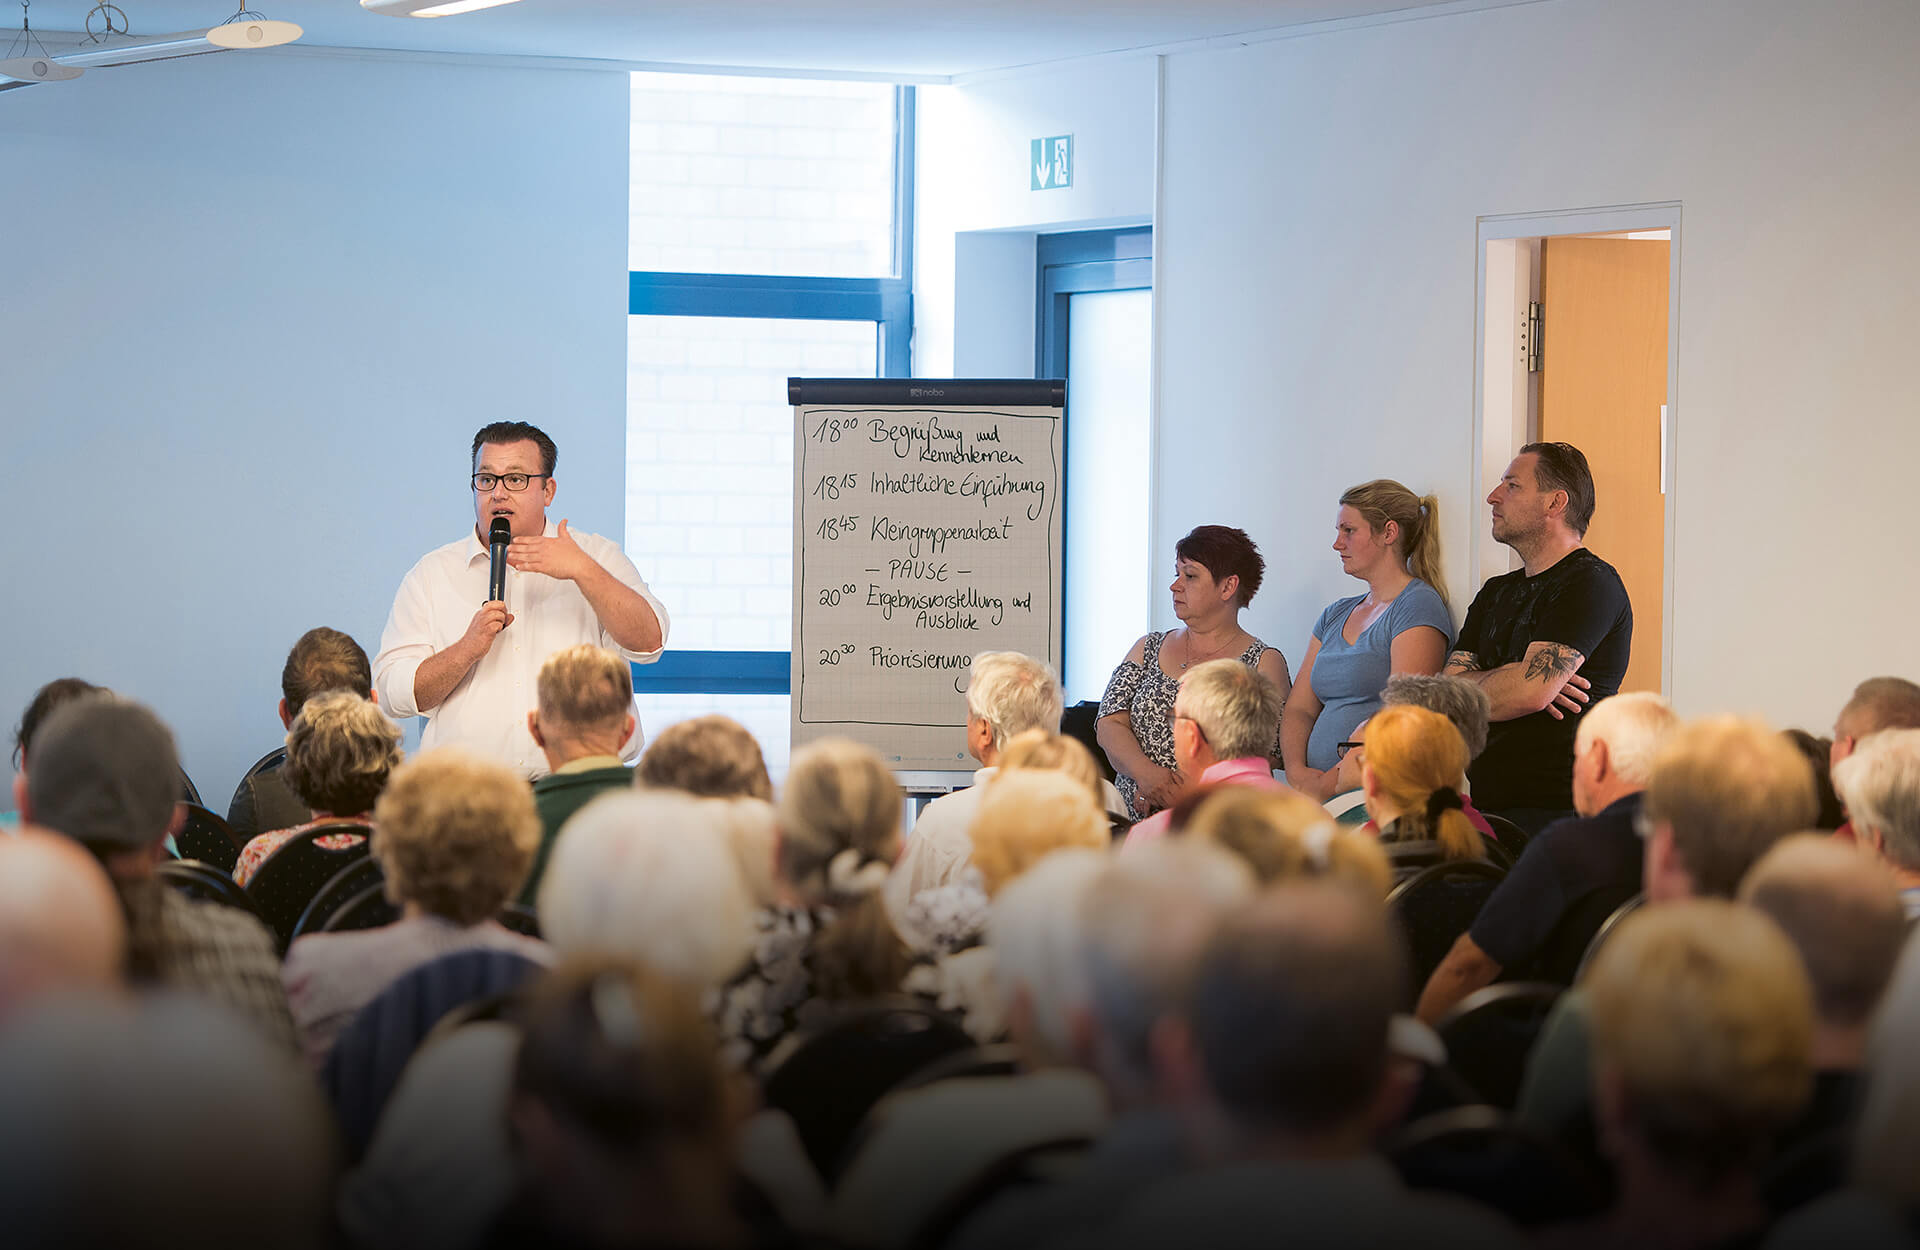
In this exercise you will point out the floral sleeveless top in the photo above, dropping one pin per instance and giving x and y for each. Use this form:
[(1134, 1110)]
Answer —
[(1146, 693)]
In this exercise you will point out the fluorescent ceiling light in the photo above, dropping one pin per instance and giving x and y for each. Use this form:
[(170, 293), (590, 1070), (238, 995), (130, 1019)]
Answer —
[(246, 30), (427, 8), (37, 69)]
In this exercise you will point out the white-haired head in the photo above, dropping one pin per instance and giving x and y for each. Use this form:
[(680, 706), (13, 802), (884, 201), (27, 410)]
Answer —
[(1880, 784), (1012, 693), (1633, 726), (1034, 933), (651, 875), (1145, 921)]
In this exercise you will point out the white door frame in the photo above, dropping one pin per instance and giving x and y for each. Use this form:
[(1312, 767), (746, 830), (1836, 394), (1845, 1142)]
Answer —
[(1664, 215)]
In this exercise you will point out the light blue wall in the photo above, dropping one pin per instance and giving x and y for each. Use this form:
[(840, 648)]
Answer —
[(253, 309)]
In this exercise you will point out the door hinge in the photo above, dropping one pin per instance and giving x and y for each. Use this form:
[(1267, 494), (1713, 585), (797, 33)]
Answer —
[(1530, 337)]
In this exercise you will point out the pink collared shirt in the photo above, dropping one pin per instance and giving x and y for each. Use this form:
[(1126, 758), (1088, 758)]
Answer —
[(1251, 770)]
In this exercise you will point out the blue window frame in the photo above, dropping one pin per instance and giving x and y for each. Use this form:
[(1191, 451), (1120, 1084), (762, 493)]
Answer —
[(1077, 263), (888, 302)]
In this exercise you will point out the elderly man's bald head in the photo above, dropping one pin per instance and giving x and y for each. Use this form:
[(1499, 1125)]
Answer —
[(60, 922)]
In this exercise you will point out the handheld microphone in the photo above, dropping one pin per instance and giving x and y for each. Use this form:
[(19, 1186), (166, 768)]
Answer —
[(499, 534)]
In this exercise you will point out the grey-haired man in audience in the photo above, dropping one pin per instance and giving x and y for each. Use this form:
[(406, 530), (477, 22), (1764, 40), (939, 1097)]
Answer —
[(1285, 1079), (104, 773)]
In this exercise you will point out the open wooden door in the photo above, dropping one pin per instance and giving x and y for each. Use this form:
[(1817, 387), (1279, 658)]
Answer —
[(1603, 385)]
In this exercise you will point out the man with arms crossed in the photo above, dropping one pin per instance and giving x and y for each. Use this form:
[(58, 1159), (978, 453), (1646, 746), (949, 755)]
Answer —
[(471, 665), (1543, 639)]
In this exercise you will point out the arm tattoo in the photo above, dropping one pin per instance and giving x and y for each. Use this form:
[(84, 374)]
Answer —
[(1553, 660), (1464, 662)]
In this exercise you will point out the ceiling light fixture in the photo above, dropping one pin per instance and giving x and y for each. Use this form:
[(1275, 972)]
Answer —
[(27, 67), (247, 29), (428, 8)]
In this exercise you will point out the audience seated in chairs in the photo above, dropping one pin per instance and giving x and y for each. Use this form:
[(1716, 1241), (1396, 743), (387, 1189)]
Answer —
[(61, 928), (1281, 1077), (1881, 1205), (1575, 872), (103, 772), (157, 1120), (1462, 702), (1130, 947), (1281, 835), (1877, 704), (924, 1148), (1722, 792), (622, 1120), (1224, 721), (1024, 817), (1007, 694), (709, 757), (341, 748), (829, 942), (1413, 767), (59, 691), (323, 660), (1841, 910), (635, 876), (584, 716), (1880, 782), (454, 835), (1703, 1031)]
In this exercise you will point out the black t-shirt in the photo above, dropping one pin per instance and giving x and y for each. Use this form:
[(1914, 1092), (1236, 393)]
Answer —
[(1568, 861), (1580, 603)]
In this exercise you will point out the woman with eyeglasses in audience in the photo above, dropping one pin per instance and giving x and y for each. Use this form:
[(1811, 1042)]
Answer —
[(1389, 538)]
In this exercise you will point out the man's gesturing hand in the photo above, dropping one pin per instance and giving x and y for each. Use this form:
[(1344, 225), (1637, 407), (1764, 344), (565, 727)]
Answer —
[(485, 625), (558, 556)]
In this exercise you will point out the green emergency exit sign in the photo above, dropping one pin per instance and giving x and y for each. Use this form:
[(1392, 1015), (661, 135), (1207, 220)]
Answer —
[(1051, 163)]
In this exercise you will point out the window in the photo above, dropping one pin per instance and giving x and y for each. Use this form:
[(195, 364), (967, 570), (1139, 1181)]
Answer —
[(769, 238)]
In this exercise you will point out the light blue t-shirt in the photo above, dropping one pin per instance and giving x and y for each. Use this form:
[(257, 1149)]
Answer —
[(1348, 678)]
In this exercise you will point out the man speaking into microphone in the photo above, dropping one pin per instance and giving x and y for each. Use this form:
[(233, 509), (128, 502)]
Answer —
[(474, 620)]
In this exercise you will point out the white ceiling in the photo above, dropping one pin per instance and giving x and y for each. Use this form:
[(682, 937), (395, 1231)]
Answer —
[(910, 38)]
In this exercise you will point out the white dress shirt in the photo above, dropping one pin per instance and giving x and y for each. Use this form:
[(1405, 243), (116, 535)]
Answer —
[(487, 712)]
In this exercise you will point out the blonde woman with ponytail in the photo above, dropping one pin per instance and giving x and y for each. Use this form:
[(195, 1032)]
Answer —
[(1389, 538), (829, 941), (1411, 774)]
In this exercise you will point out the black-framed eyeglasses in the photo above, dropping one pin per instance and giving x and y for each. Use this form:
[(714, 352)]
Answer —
[(484, 482), (1340, 749)]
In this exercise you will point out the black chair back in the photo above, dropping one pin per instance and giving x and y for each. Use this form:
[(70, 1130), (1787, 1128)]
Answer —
[(1077, 722), (268, 762), (1001, 1060), (368, 1057), (1481, 1154), (204, 883), (1512, 838), (368, 909), (1489, 1034), (205, 836), (287, 880), (344, 887), (830, 1080), (188, 791), (521, 919), (1435, 906), (1605, 931)]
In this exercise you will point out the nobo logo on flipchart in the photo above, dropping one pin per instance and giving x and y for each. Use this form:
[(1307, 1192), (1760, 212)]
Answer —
[(924, 392), (1050, 161)]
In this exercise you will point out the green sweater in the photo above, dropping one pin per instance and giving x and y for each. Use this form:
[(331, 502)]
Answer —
[(558, 797)]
